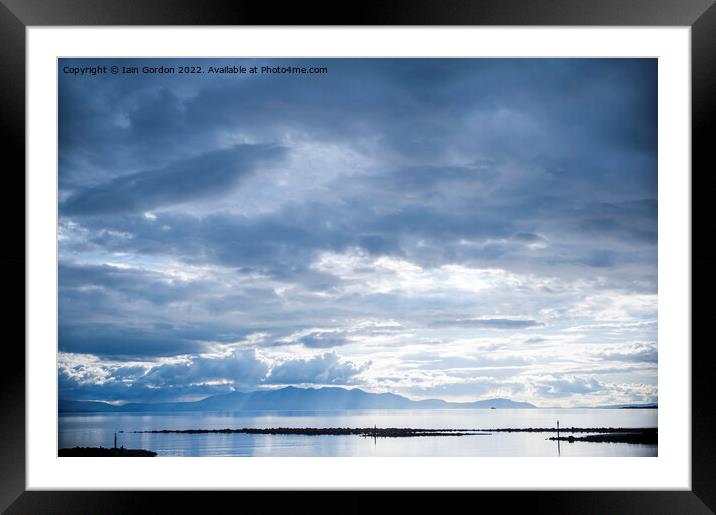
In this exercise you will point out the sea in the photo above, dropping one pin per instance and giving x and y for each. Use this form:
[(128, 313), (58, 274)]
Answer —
[(98, 429)]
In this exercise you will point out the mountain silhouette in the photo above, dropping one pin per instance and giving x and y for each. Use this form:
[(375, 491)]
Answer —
[(292, 398)]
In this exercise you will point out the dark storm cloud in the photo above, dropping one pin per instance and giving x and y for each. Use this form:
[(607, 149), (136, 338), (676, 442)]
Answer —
[(422, 180), (208, 175), (543, 167), (116, 340), (101, 280), (417, 221), (526, 237), (416, 107), (404, 103), (631, 220), (279, 245)]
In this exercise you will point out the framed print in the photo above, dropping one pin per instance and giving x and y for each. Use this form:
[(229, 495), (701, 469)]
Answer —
[(428, 248)]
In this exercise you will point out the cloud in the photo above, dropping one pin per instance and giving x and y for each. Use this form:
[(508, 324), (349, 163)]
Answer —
[(567, 385), (431, 361), (462, 202), (116, 340), (323, 340), (83, 376), (159, 288), (488, 323), (206, 176), (322, 369), (637, 352), (242, 368), (280, 245)]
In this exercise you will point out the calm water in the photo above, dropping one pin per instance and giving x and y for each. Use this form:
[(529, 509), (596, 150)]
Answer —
[(98, 429)]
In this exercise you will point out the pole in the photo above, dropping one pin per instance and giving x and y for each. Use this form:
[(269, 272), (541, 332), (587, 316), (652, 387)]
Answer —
[(559, 451), (115, 440)]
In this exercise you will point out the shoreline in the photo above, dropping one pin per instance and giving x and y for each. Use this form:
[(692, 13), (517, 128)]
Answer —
[(649, 438), (639, 436), (109, 452), (603, 434)]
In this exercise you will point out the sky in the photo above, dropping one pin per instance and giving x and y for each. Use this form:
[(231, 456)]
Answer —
[(460, 229)]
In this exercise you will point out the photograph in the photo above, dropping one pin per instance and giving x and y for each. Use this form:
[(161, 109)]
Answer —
[(417, 247), (357, 257)]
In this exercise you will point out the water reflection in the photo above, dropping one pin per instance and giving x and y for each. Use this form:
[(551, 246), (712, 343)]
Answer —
[(98, 429)]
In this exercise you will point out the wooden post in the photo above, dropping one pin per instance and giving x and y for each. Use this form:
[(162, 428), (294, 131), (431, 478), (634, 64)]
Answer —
[(115, 440)]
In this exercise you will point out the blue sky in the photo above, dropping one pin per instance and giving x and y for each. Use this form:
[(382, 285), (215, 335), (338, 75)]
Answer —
[(451, 228)]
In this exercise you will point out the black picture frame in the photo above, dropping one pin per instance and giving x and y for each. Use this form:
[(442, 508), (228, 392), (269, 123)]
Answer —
[(16, 15)]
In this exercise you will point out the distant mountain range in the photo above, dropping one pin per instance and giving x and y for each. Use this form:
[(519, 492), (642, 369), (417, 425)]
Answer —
[(292, 398)]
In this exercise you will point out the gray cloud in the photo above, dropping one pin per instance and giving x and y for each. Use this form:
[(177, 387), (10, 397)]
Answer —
[(119, 341), (208, 175), (488, 323), (540, 172), (473, 362), (200, 375), (323, 340), (131, 390), (76, 279), (567, 386), (640, 352), (323, 369), (241, 368)]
